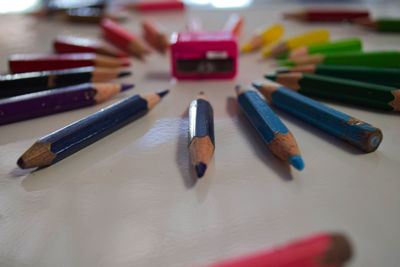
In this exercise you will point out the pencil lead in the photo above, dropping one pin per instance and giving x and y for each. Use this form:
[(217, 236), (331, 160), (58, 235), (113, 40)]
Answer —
[(270, 76), (21, 163), (297, 162), (256, 85), (125, 86), (201, 169), (124, 73), (282, 71), (162, 93)]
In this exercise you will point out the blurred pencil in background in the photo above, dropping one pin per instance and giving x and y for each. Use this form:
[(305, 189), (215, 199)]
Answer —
[(264, 37), (380, 24), (234, 24), (321, 15), (163, 5), (154, 37)]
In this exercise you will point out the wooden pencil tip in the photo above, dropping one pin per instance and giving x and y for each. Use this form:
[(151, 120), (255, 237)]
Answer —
[(162, 93), (124, 73), (201, 169)]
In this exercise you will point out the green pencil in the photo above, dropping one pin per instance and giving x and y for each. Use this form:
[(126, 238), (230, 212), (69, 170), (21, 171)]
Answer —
[(381, 24), (383, 76), (334, 47), (383, 59), (355, 92)]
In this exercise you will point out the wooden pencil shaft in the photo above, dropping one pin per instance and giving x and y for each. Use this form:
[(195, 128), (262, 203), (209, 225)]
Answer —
[(80, 134), (366, 94), (201, 120), (388, 25), (54, 101), (356, 132), (30, 82), (383, 76)]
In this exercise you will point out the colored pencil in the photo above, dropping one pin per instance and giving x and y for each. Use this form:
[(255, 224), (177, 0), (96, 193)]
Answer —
[(35, 62), (358, 133), (74, 44), (234, 24), (278, 138), (380, 24), (318, 250), (154, 37), (201, 133), (383, 59), (156, 5), (74, 137), (48, 102), (30, 82), (318, 15), (350, 91), (383, 76), (308, 38), (122, 38), (333, 47), (264, 37)]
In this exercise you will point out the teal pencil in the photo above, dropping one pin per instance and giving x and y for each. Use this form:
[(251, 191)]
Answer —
[(275, 134)]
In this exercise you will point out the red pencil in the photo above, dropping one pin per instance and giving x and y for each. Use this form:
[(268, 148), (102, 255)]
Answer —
[(156, 5), (234, 24), (73, 44), (154, 37), (327, 14), (321, 250), (122, 38), (35, 62)]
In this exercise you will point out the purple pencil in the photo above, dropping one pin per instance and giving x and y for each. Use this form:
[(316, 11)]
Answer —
[(48, 102)]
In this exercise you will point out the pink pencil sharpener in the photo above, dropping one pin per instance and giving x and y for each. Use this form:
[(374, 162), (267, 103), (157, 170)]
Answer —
[(204, 55)]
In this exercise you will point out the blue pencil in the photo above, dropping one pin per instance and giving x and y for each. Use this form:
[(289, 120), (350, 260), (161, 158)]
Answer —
[(74, 137), (278, 138), (356, 132)]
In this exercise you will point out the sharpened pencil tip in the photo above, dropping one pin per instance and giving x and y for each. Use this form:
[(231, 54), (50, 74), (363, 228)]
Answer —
[(201, 169), (126, 86), (282, 71), (256, 85), (21, 163), (270, 76), (162, 93), (297, 162), (124, 73)]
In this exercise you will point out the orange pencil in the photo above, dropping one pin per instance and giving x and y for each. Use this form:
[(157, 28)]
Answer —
[(154, 36), (234, 24)]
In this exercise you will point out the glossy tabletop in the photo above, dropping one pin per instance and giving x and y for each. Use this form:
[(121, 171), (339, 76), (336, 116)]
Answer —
[(132, 199)]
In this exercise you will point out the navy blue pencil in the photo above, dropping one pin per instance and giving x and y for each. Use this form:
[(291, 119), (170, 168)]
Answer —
[(74, 137), (279, 139)]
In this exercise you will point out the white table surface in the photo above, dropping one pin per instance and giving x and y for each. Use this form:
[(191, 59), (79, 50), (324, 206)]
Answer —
[(131, 199)]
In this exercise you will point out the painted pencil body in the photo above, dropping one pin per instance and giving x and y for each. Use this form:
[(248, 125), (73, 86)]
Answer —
[(382, 59), (350, 91), (318, 15), (381, 24), (154, 36), (356, 132), (334, 47), (30, 82), (156, 5), (122, 38), (265, 37), (73, 44), (383, 76), (74, 137), (48, 102), (318, 250), (201, 134), (274, 133), (308, 38), (36, 62)]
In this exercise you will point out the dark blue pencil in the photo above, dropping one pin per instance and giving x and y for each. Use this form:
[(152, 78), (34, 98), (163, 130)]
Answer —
[(74, 137), (278, 138), (354, 131)]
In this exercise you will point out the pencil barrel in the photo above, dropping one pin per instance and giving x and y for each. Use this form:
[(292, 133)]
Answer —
[(356, 132), (201, 120), (44, 103), (389, 25), (80, 134), (387, 59)]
